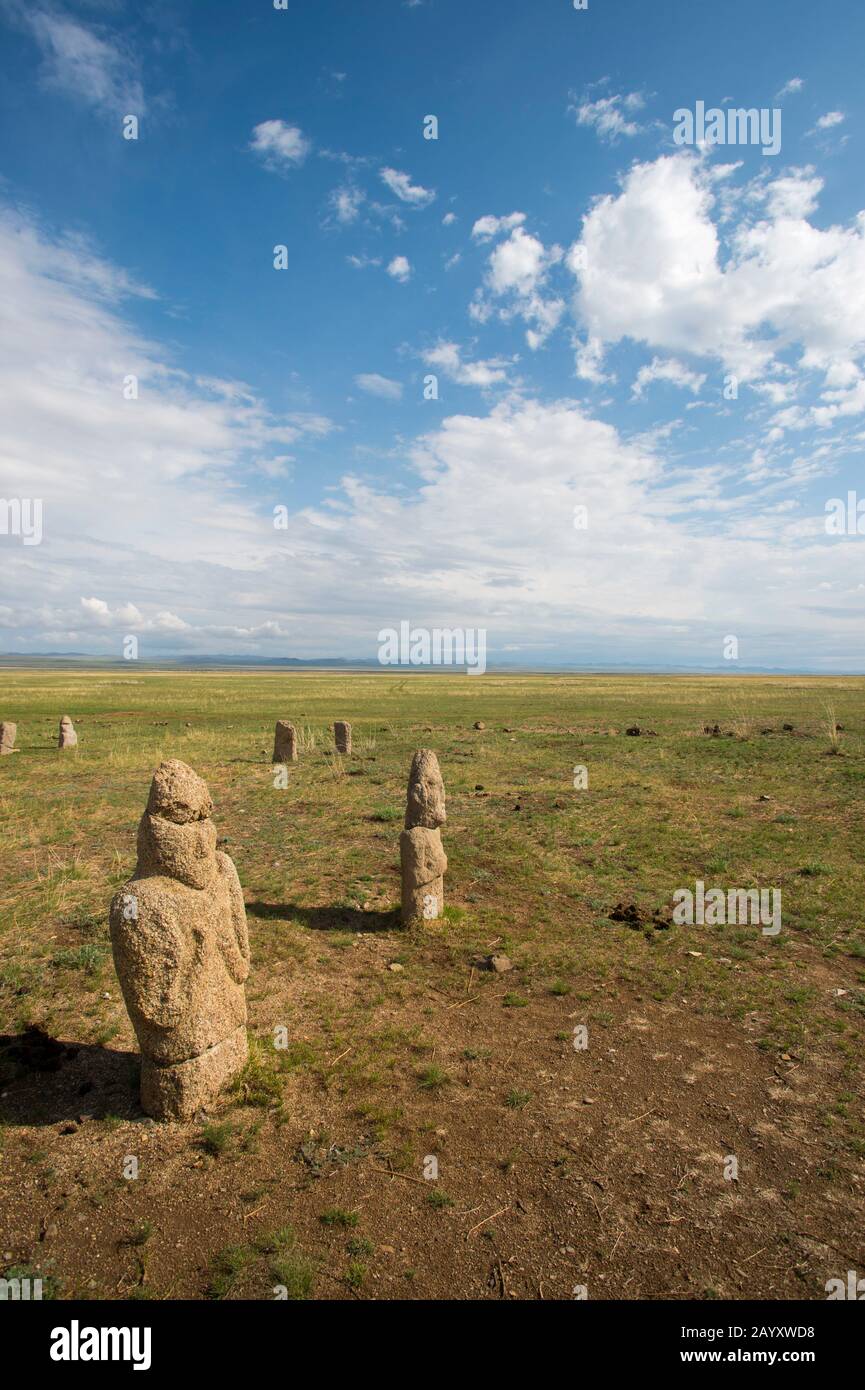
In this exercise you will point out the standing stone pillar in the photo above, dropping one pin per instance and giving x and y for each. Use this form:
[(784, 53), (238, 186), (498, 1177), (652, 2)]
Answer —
[(8, 730), (285, 742), (422, 857), (181, 951), (67, 737), (342, 734)]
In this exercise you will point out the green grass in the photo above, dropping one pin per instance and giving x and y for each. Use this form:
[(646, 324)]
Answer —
[(335, 1216), (216, 1138)]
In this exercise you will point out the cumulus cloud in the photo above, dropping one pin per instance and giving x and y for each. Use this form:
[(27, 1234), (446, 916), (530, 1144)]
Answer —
[(669, 370), (447, 358), (158, 508), (515, 279), (399, 269), (610, 116), (489, 226), (279, 144), (653, 269)]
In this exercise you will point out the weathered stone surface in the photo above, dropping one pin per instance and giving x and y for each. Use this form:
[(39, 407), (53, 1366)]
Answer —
[(422, 857), (285, 742), (8, 730), (342, 734), (67, 737), (178, 933), (426, 792)]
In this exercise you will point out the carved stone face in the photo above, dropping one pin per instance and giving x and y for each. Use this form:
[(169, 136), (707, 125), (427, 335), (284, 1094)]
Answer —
[(183, 852), (426, 792)]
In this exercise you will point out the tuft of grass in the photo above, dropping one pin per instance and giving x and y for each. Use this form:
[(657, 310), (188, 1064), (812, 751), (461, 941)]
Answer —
[(140, 1236), (89, 957), (288, 1265), (514, 1001), (337, 1216), (515, 1100), (226, 1268), (215, 1138), (260, 1082), (432, 1078)]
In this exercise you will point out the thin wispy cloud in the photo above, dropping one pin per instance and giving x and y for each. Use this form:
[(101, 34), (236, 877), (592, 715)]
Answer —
[(375, 385), (402, 187), (83, 62)]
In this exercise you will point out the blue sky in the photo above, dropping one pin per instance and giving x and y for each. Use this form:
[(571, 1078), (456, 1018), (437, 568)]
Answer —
[(582, 287)]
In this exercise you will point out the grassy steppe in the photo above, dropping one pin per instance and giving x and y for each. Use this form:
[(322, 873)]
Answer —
[(583, 1167)]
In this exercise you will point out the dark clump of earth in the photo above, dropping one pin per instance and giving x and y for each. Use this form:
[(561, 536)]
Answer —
[(631, 916)]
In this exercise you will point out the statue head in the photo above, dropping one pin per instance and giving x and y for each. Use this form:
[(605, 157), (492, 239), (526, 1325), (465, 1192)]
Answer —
[(176, 836), (426, 792)]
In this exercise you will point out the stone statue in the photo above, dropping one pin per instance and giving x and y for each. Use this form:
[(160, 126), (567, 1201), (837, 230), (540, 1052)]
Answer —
[(181, 951), (422, 857)]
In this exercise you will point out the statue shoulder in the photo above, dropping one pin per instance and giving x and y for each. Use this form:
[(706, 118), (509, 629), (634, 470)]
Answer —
[(225, 866)]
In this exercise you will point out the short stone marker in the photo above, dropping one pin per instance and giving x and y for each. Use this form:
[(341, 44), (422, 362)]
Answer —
[(285, 742), (342, 734), (67, 737), (422, 857), (8, 730)]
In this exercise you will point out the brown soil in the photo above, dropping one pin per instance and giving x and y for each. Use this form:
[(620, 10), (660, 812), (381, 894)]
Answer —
[(606, 1169)]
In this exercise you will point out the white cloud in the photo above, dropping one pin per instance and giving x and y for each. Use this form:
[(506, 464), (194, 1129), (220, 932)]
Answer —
[(794, 195), (588, 360), (670, 370), (831, 119), (447, 358), (381, 386), (399, 268), (346, 203), (127, 616), (403, 188), (141, 497), (514, 282), (488, 227), (148, 519), (151, 515), (280, 144), (654, 272), (449, 219), (608, 114)]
